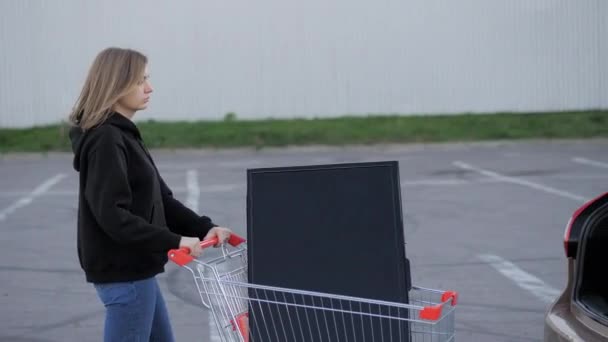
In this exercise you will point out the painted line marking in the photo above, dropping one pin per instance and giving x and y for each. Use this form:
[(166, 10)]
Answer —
[(519, 181), (590, 162), (192, 202), (521, 278), (27, 199), (193, 190)]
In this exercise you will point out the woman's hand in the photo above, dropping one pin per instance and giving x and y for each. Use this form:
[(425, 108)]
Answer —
[(194, 244), (221, 233)]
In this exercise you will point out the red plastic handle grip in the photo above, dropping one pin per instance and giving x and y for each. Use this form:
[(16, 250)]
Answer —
[(234, 240), (433, 313), (181, 256), (450, 295)]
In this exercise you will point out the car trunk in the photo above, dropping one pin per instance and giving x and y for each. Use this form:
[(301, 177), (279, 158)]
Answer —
[(591, 283)]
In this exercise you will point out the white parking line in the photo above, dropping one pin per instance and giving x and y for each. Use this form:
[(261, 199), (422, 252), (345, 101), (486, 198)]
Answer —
[(446, 182), (521, 278), (519, 181), (174, 167), (586, 161), (192, 203), (10, 194), (27, 199), (193, 190), (220, 188), (240, 164)]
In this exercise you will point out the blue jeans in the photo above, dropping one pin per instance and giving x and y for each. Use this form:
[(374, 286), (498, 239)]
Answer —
[(135, 312)]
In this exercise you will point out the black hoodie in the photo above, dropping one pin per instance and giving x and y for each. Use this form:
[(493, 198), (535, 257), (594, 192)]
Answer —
[(127, 216)]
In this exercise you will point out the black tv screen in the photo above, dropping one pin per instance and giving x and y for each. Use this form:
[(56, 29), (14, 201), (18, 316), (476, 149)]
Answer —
[(336, 229)]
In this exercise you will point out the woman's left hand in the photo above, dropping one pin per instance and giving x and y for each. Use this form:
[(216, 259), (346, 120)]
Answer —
[(221, 233)]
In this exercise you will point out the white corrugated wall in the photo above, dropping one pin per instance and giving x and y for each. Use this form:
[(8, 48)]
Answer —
[(602, 59), (295, 58)]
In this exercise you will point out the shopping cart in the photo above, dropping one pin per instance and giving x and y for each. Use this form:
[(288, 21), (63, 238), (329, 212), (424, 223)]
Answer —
[(248, 312)]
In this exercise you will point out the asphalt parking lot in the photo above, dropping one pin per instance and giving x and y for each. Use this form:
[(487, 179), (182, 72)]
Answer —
[(484, 219)]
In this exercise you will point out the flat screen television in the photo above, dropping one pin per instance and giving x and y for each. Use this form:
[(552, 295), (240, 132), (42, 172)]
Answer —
[(335, 229)]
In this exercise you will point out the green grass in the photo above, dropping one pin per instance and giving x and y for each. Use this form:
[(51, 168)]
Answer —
[(336, 131)]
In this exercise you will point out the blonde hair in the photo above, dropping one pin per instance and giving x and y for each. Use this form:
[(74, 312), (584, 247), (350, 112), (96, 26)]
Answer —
[(112, 75)]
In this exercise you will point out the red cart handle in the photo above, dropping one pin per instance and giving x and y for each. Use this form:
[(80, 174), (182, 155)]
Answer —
[(181, 256), (433, 313)]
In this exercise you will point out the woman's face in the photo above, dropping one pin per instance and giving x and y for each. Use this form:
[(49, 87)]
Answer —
[(138, 97)]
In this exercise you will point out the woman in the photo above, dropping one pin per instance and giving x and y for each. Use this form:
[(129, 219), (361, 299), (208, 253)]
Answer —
[(128, 218)]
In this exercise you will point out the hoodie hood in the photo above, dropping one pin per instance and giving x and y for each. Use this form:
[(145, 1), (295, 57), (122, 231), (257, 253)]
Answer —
[(78, 136)]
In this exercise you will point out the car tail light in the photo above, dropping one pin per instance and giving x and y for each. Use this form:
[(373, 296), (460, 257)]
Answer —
[(574, 226), (567, 234)]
